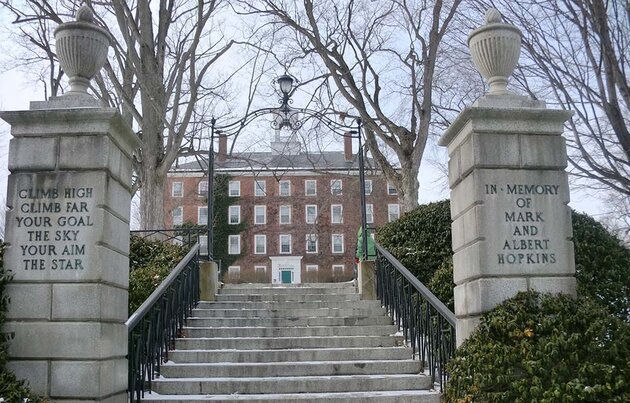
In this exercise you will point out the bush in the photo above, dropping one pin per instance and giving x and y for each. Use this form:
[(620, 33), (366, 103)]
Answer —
[(421, 239), (149, 263), (11, 389), (543, 348)]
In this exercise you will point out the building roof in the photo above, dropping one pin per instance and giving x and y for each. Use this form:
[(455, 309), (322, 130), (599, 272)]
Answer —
[(247, 161)]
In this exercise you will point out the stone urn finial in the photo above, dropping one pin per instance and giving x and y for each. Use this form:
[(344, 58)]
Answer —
[(495, 48), (81, 49)]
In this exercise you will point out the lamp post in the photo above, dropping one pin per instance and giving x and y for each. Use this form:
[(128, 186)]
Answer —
[(288, 119)]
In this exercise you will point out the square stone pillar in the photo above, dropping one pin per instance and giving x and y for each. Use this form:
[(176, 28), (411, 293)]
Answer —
[(366, 279), (509, 193), (67, 230)]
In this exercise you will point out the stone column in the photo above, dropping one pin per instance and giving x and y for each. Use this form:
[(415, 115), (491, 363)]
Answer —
[(67, 229), (509, 190), (366, 278)]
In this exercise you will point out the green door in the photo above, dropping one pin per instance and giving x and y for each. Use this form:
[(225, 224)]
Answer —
[(286, 276)]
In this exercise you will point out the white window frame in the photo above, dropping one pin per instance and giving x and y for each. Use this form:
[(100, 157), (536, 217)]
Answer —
[(312, 267), (202, 184), (285, 236), (237, 208), (391, 190), (332, 187), (179, 193), (180, 215), (389, 212), (288, 183), (306, 182), (332, 243), (234, 271), (314, 220), (264, 209), (369, 189), (234, 188), (258, 268), (309, 237), (369, 213), (238, 245), (199, 220), (284, 206), (260, 187), (336, 268), (332, 213), (264, 244)]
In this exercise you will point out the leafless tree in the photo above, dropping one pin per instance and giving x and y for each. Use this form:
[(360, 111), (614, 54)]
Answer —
[(381, 58), (159, 75), (577, 55)]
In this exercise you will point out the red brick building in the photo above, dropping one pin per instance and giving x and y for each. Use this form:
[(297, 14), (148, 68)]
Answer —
[(302, 210)]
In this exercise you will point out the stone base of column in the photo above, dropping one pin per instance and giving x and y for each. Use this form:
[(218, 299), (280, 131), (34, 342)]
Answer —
[(367, 280), (208, 281)]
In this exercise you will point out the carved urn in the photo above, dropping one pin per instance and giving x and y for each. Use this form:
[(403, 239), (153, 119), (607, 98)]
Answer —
[(495, 48), (81, 49)]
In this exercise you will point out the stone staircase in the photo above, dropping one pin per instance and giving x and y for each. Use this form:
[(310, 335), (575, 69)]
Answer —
[(310, 342)]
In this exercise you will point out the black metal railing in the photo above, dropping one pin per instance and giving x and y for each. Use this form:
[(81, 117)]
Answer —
[(179, 236), (158, 321), (426, 323)]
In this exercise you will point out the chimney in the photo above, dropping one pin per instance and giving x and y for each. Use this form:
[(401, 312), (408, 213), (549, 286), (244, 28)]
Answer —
[(222, 154), (347, 147)]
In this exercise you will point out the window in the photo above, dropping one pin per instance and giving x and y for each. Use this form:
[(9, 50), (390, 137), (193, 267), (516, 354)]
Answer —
[(368, 187), (178, 215), (337, 243), (391, 190), (393, 212), (260, 215), (202, 215), (234, 215), (336, 214), (178, 189), (234, 244), (285, 214), (337, 269), (260, 242), (312, 267), (310, 187), (234, 271), (311, 213), (235, 188), (311, 243), (285, 243), (202, 188), (336, 187), (260, 269), (260, 188), (285, 188), (369, 213)]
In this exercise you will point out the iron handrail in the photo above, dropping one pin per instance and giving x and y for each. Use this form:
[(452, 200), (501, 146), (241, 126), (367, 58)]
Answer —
[(183, 236), (154, 326), (426, 323)]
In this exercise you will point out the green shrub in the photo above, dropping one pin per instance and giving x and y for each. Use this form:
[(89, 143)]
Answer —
[(421, 239), (149, 263), (441, 284), (543, 348), (11, 389)]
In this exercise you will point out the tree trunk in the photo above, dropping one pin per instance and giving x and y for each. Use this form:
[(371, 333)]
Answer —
[(408, 188), (152, 198)]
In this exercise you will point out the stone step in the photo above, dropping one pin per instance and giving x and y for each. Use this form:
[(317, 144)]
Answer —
[(396, 396), (349, 284), (284, 355), (350, 296), (277, 322), (288, 305), (279, 369), (257, 343), (291, 384), (288, 290), (287, 313), (196, 332)]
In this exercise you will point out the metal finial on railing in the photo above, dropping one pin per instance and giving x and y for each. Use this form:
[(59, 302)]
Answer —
[(82, 49), (495, 48)]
